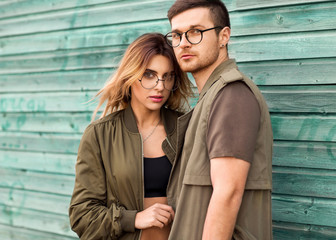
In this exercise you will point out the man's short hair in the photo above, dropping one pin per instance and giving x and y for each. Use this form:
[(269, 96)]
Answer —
[(218, 12)]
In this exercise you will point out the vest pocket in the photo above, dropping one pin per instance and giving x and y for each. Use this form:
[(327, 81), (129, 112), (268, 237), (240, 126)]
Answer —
[(201, 180)]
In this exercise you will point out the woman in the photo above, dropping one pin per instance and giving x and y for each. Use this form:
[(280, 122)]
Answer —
[(125, 157)]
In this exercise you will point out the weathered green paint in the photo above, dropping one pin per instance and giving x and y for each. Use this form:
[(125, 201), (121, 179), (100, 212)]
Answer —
[(317, 211), (37, 181), (301, 154), (313, 99), (56, 54), (307, 17), (61, 61), (25, 218), (256, 48), (299, 19), (304, 182), (300, 99), (40, 142), (37, 201), (82, 80), (294, 72), (14, 233), (304, 127), (257, 4), (113, 13), (57, 163), (285, 127), (285, 231), (47, 102), (100, 36)]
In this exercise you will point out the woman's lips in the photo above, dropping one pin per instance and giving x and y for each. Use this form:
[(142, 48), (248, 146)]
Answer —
[(156, 99)]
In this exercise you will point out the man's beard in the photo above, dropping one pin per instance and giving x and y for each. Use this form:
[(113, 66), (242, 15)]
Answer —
[(198, 65)]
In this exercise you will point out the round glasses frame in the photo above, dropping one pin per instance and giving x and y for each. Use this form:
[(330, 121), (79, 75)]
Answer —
[(169, 36), (174, 87)]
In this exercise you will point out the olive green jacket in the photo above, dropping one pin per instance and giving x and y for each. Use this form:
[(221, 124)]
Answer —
[(109, 185), (191, 188)]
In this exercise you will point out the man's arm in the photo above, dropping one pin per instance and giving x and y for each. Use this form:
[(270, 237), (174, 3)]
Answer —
[(228, 176)]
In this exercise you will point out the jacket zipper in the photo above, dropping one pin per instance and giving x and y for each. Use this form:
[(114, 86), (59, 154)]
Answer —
[(142, 178), (170, 175)]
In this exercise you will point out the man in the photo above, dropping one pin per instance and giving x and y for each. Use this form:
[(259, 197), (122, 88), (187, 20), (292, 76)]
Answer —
[(221, 185)]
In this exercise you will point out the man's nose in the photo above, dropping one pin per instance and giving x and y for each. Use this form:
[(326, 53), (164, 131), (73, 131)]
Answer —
[(184, 42)]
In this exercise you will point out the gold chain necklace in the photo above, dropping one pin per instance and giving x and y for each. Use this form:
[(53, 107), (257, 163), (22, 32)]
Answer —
[(151, 131)]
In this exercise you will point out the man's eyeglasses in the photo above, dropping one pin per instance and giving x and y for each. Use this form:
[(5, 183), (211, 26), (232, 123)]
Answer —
[(150, 80), (194, 36)]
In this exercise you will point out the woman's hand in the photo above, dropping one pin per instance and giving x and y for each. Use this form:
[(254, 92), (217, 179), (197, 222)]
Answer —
[(157, 215)]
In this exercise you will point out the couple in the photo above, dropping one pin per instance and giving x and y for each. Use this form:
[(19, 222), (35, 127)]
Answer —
[(146, 171)]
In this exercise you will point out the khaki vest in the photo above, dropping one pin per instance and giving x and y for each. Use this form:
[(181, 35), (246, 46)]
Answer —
[(194, 187)]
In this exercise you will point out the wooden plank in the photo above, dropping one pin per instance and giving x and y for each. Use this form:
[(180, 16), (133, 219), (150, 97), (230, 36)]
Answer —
[(17, 8), (46, 122), (285, 127), (283, 19), (62, 60), (257, 4), (86, 17), (304, 127), (244, 49), (298, 18), (23, 199), (286, 231), (295, 154), (291, 72), (21, 7), (100, 36), (294, 72), (48, 102), (318, 155), (304, 182), (37, 181), (304, 210), (280, 99), (284, 46), (35, 220), (51, 143), (300, 99), (43, 162), (13, 233), (81, 80)]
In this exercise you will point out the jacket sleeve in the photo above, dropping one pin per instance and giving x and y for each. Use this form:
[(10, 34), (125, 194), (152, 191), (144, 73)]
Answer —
[(89, 215)]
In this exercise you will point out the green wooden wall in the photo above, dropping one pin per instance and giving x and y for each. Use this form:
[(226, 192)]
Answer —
[(56, 54)]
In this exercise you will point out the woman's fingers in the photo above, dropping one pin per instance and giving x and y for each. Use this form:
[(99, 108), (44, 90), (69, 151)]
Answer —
[(157, 215), (165, 211)]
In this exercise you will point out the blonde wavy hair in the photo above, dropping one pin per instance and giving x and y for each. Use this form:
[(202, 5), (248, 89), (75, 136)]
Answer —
[(117, 91)]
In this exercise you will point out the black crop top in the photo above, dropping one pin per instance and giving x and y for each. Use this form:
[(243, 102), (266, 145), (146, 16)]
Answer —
[(156, 176)]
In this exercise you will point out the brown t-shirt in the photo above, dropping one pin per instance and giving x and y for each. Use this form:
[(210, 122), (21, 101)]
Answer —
[(233, 123)]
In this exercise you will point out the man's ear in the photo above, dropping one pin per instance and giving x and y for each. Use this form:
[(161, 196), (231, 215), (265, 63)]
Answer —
[(224, 36)]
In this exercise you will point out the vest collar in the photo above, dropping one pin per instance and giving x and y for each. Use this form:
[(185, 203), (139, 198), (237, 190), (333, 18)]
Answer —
[(166, 117), (215, 75)]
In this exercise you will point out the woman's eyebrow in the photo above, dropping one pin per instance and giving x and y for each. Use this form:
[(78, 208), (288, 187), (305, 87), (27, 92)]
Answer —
[(150, 70)]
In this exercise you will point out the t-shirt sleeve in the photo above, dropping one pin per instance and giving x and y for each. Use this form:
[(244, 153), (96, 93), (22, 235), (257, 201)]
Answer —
[(233, 123)]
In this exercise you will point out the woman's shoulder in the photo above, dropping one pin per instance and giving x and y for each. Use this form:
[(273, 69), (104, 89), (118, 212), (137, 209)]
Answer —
[(104, 121), (108, 118)]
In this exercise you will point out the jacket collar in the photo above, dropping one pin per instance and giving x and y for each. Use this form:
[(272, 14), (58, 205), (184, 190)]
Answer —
[(215, 75), (166, 117)]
